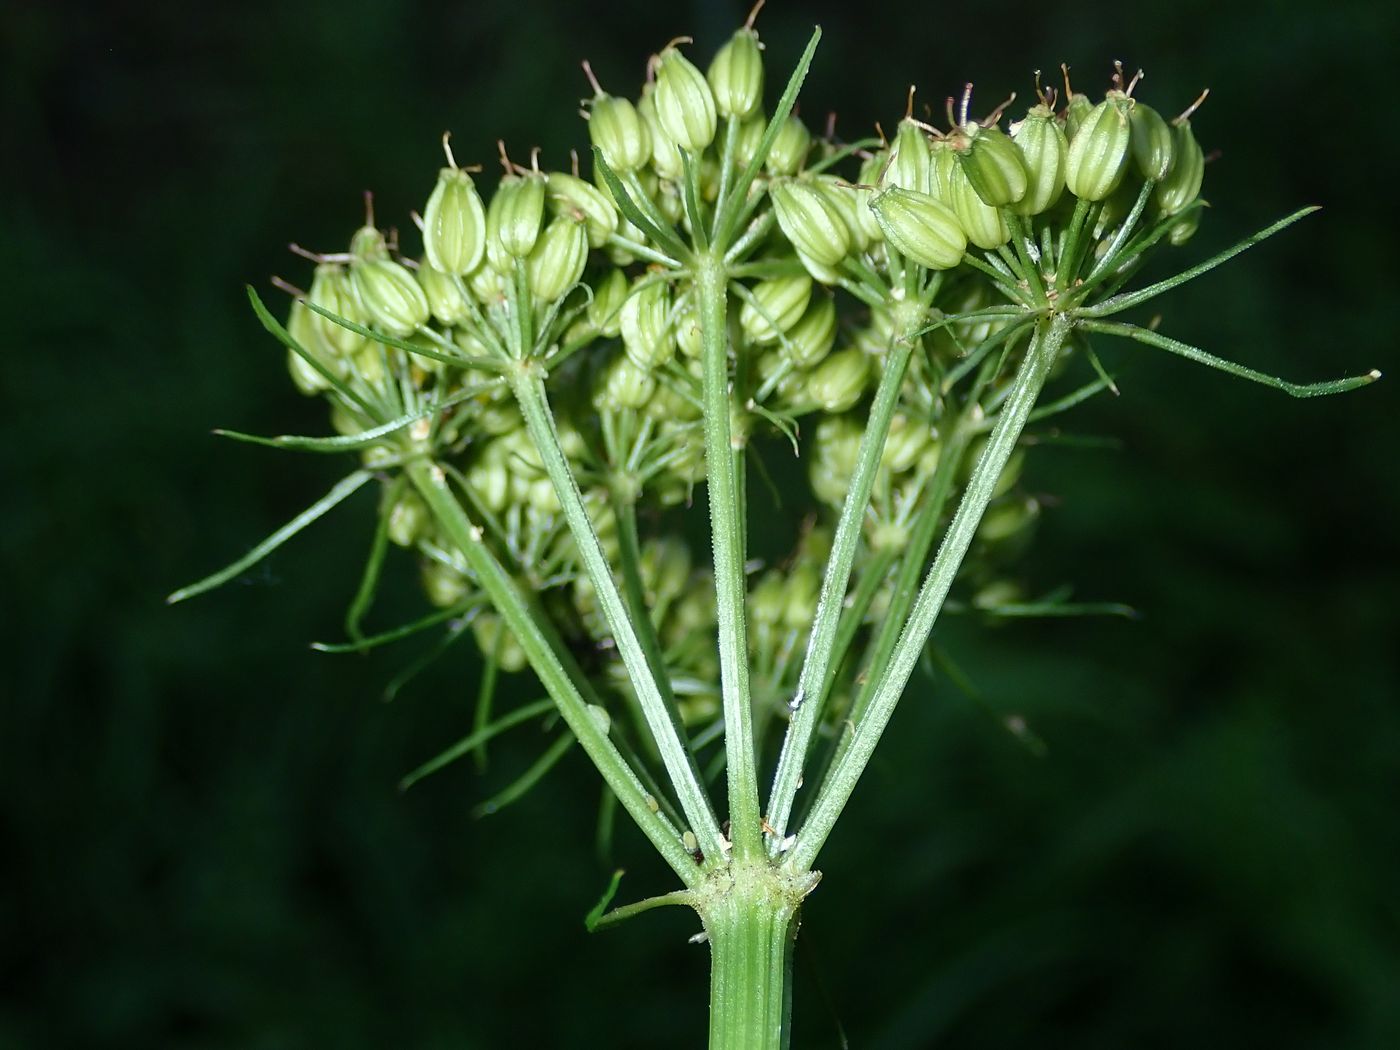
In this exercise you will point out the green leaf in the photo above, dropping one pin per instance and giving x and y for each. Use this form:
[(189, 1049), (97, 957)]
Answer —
[(484, 364), (365, 438), (724, 226), (398, 634), (596, 920), (1127, 300), (421, 663), (285, 338), (590, 921), (532, 776), (664, 236), (369, 580), (473, 740), (1065, 403), (1191, 353), (342, 489)]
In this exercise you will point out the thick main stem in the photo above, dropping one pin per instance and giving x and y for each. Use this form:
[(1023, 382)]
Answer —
[(726, 529), (751, 926)]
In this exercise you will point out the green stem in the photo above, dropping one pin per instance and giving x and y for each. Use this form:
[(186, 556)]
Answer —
[(894, 675), (751, 926), (561, 678), (907, 580), (634, 590), (528, 386), (818, 668), (726, 528)]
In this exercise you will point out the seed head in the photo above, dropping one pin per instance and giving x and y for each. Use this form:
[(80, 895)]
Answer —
[(454, 224), (780, 301), (790, 146), (837, 383), (1042, 143), (572, 196), (647, 335), (558, 258), (993, 165), (1182, 184), (811, 221), (685, 106), (620, 133), (1098, 150), (920, 228), (736, 75)]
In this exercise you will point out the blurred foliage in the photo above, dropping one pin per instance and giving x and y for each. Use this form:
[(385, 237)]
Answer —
[(206, 847)]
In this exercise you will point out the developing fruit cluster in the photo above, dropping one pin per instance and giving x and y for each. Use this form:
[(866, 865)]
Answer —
[(840, 252)]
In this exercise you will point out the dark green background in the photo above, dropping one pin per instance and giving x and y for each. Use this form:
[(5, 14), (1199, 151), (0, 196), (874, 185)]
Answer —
[(203, 845)]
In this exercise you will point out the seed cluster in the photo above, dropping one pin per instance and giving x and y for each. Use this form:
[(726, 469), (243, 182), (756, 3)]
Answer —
[(941, 238)]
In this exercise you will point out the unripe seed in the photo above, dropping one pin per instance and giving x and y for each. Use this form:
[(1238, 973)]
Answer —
[(625, 386), (1154, 147), (444, 300), (620, 133), (790, 383), (1007, 521), (559, 257), (454, 224), (851, 203), (331, 290), (811, 221), (838, 443), (784, 299), (993, 165), (864, 219), (665, 154), (750, 137), (907, 440), (443, 585), (487, 282), (811, 338), (494, 638), (685, 106), (309, 381), (736, 75), (800, 598), (514, 220), (983, 224), (605, 310), (1077, 110), (912, 166), (668, 403), (408, 519), (389, 295), (790, 146), (837, 383), (647, 335), (819, 271), (1184, 229), (688, 334), (920, 228), (1183, 183), (1042, 143), (368, 243), (1098, 151), (571, 195)]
